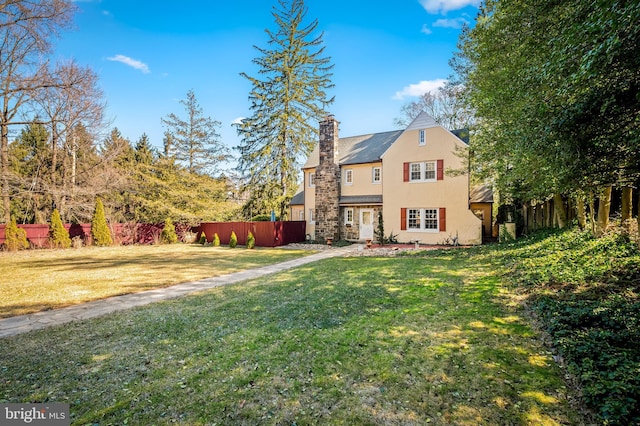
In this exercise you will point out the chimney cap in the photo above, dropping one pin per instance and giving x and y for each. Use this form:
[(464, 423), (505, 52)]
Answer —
[(329, 117)]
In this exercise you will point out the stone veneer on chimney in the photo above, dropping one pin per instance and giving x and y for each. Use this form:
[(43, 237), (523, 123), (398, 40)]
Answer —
[(328, 182)]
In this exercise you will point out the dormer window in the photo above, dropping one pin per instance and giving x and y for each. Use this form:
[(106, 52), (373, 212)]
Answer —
[(422, 138)]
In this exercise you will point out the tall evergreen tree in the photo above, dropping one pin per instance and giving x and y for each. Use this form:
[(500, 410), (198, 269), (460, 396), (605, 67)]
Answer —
[(194, 141), (287, 100)]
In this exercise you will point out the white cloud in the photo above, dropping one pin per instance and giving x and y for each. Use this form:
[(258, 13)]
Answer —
[(134, 63), (415, 90), (450, 23), (426, 30), (444, 6)]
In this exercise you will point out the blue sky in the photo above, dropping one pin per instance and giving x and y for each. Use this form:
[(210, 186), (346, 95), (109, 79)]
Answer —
[(149, 54)]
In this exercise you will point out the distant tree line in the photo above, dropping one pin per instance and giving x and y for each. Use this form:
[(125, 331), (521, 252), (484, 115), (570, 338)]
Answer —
[(53, 152)]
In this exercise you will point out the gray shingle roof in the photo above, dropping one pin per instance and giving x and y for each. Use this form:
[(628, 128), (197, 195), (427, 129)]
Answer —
[(349, 200), (481, 194), (359, 149)]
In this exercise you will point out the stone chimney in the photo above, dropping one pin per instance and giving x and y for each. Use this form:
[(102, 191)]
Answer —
[(328, 182)]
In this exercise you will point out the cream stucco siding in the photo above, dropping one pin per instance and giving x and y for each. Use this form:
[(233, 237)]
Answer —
[(309, 201), (362, 180), (451, 193)]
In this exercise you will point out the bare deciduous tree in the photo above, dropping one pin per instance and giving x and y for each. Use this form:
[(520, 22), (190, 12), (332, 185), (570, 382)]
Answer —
[(26, 31)]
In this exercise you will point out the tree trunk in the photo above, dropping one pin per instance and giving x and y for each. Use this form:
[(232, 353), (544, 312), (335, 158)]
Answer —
[(561, 212), (4, 170), (526, 218), (627, 205), (592, 214), (604, 208), (582, 214)]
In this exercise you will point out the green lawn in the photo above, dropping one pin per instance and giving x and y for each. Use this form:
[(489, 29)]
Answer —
[(432, 339), (35, 280)]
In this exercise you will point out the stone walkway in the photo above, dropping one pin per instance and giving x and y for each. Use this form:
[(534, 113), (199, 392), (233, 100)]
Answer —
[(25, 323)]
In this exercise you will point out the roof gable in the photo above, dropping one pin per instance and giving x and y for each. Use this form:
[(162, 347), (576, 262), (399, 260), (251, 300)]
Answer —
[(422, 121)]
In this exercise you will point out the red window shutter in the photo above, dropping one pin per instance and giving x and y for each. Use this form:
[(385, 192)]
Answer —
[(440, 169), (403, 219), (443, 219), (405, 176)]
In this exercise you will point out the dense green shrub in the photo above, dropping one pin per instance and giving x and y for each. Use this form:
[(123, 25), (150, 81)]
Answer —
[(58, 235), (100, 232), (203, 239), (216, 240), (233, 240), (15, 238), (169, 235), (251, 240)]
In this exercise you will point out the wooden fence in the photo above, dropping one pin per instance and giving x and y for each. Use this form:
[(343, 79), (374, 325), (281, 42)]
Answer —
[(267, 234)]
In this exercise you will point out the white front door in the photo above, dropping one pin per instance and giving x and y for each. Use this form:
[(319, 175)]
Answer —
[(366, 224)]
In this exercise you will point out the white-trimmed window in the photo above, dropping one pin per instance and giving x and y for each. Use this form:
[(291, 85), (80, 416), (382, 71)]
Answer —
[(423, 172), (348, 177), (423, 220), (348, 216), (301, 215), (312, 215), (312, 179), (422, 138), (376, 174)]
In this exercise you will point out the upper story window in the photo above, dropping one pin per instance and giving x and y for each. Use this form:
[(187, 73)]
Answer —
[(348, 177), (423, 171), (376, 176), (422, 138), (312, 179)]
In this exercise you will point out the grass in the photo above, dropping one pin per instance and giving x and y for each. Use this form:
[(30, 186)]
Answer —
[(36, 280), (431, 339)]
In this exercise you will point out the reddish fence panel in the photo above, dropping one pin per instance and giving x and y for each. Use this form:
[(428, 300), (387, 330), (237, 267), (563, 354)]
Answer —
[(267, 234)]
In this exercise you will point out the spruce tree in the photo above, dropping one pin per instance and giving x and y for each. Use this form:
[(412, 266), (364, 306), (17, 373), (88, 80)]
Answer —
[(287, 102), (251, 240), (99, 228), (233, 240), (194, 141), (58, 235), (216, 240)]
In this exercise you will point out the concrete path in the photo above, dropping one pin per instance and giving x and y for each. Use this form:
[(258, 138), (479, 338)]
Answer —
[(24, 323)]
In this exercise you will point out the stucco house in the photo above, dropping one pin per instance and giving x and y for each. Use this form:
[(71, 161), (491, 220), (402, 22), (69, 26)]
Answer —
[(405, 175)]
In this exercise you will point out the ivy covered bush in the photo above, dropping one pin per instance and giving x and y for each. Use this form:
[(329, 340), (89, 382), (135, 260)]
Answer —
[(15, 238), (169, 235), (233, 240), (100, 232), (585, 291), (58, 235)]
